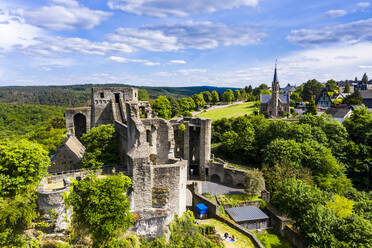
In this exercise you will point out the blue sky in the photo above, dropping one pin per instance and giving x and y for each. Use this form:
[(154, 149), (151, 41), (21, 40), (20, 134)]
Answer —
[(183, 43)]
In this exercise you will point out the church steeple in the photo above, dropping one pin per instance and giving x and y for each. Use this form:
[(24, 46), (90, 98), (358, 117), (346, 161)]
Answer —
[(275, 75)]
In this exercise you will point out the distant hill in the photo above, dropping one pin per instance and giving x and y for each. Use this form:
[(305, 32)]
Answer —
[(79, 95)]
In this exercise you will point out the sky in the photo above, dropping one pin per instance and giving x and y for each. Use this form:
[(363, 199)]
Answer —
[(183, 43)]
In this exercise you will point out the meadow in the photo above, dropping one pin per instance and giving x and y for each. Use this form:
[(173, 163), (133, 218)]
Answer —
[(230, 111)]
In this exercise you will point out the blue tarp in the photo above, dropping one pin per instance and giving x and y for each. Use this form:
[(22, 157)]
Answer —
[(201, 208)]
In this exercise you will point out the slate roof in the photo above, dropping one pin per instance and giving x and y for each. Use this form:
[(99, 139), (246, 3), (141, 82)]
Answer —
[(247, 213), (338, 112), (288, 88), (265, 98), (75, 146), (283, 98), (366, 94)]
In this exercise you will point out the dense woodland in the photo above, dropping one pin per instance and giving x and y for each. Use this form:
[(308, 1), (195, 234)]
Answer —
[(317, 170), (79, 95)]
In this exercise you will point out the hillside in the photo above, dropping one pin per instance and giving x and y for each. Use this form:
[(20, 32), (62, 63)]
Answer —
[(79, 95)]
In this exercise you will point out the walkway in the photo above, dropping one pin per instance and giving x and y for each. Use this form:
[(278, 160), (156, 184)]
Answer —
[(219, 189)]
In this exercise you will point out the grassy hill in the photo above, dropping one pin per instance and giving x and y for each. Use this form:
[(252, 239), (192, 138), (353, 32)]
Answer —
[(79, 95), (230, 111)]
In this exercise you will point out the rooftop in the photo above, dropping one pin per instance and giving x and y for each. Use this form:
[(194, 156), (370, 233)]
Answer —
[(246, 213)]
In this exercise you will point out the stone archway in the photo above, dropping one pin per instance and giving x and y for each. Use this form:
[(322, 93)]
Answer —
[(80, 125), (228, 180), (215, 178)]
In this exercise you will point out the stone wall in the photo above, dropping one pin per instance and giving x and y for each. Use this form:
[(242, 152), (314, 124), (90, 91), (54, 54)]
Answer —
[(219, 172), (152, 224), (52, 208)]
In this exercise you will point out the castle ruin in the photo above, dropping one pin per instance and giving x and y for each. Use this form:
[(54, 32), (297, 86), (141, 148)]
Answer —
[(157, 154)]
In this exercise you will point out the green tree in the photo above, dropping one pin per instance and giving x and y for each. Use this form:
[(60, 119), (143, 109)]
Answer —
[(353, 99), (266, 92), (186, 104), (295, 99), (22, 164), (174, 105), (332, 85), (207, 96), (365, 78), (215, 97), (228, 96), (354, 231), (254, 182), (237, 95), (101, 206), (100, 146), (311, 89), (199, 100), (347, 88), (143, 95), (340, 205), (162, 107), (311, 107)]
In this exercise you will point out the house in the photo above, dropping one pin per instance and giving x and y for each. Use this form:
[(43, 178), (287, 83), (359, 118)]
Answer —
[(340, 113), (367, 98), (68, 156), (289, 89), (324, 100), (275, 104), (250, 217)]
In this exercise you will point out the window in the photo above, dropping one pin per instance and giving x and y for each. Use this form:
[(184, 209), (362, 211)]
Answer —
[(102, 95), (117, 97), (148, 137)]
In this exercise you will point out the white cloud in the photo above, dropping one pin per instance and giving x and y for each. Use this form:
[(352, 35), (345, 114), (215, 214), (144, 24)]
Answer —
[(50, 46), (176, 61), (364, 4), (335, 13), (126, 60), (186, 35), (182, 8), (353, 32), (365, 66), (15, 32), (64, 15), (192, 71)]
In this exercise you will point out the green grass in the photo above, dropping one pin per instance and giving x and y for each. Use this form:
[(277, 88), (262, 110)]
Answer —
[(242, 241), (231, 111), (271, 240), (235, 200), (209, 197)]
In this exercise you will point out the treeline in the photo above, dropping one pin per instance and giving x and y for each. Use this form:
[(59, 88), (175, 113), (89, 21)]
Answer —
[(313, 168), (79, 95), (169, 107)]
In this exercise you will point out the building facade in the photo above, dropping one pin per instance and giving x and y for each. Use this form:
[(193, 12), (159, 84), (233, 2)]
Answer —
[(276, 104)]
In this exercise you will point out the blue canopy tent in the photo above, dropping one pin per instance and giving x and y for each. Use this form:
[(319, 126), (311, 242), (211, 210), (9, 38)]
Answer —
[(201, 209)]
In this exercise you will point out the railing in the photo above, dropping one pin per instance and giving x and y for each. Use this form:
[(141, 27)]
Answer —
[(79, 170)]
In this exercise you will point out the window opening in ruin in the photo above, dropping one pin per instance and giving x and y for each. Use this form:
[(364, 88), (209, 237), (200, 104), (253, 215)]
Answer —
[(148, 137), (143, 113), (80, 126), (206, 171), (117, 97), (102, 95)]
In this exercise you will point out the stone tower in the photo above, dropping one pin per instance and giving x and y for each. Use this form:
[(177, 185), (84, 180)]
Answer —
[(275, 90)]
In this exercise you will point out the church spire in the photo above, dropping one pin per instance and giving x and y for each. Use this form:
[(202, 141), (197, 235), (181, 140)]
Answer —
[(275, 74)]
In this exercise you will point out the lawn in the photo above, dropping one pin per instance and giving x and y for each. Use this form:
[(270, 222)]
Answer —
[(271, 240), (231, 111), (237, 199), (242, 241)]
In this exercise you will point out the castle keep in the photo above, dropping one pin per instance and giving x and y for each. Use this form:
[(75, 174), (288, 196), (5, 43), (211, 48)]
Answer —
[(157, 154)]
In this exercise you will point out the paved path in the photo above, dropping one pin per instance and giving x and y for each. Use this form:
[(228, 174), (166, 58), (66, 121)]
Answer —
[(215, 107), (219, 189)]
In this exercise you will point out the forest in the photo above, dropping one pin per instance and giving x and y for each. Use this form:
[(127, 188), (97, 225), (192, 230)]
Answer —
[(79, 95), (317, 170)]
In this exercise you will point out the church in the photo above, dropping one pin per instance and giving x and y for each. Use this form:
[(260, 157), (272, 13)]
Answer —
[(275, 104)]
